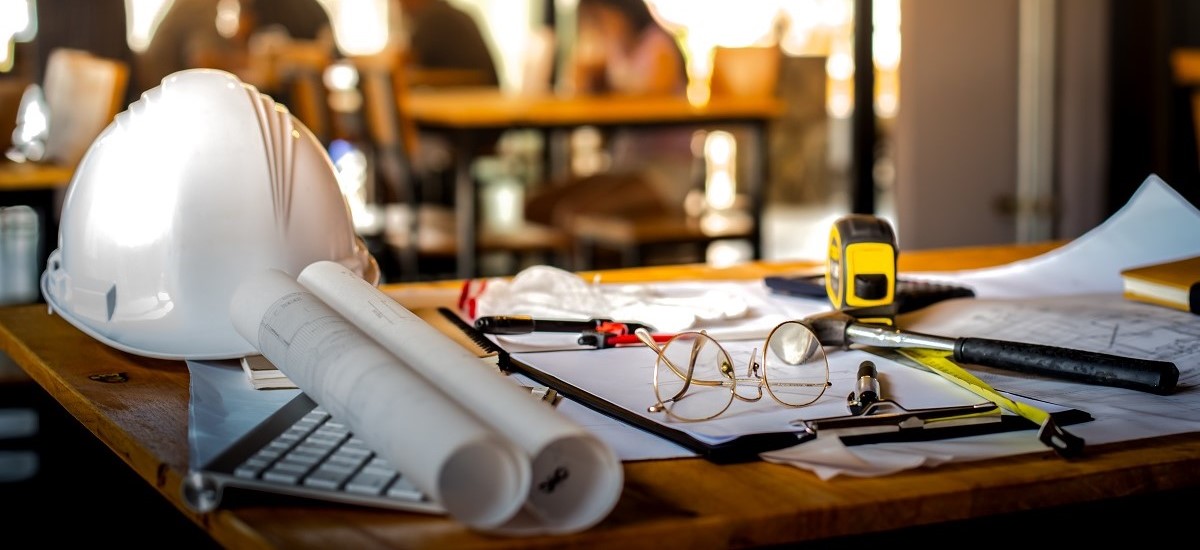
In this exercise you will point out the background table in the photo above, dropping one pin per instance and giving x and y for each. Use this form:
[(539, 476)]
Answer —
[(465, 115), (36, 185)]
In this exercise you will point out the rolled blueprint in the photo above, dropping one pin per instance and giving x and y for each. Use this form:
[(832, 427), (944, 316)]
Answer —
[(478, 476), (576, 478)]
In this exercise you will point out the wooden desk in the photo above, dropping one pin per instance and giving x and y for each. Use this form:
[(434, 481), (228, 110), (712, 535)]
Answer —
[(463, 114), (687, 503), (35, 184)]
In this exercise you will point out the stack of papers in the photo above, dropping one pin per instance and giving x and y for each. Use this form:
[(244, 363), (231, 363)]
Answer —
[(263, 374)]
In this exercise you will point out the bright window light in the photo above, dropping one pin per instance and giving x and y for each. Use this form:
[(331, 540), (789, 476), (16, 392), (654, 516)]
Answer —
[(142, 18), (360, 27), (18, 23)]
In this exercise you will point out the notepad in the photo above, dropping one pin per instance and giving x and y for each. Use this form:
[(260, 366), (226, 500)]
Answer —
[(1174, 284)]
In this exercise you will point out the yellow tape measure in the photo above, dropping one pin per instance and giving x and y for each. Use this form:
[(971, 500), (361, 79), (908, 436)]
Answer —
[(1049, 432), (860, 270)]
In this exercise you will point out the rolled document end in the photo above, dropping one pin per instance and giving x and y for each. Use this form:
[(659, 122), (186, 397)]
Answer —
[(251, 300), (477, 476), (577, 480), (483, 484)]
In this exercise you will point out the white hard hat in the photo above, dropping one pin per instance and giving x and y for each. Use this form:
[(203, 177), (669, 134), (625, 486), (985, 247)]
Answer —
[(196, 185)]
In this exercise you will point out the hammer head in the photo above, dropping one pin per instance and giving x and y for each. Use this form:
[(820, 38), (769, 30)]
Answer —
[(830, 326)]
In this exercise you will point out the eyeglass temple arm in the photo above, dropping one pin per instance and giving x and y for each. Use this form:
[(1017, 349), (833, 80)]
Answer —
[(648, 339)]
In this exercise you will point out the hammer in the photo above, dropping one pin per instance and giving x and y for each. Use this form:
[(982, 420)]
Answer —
[(842, 328)]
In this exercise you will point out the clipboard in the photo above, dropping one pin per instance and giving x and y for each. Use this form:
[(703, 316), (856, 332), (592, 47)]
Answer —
[(742, 448)]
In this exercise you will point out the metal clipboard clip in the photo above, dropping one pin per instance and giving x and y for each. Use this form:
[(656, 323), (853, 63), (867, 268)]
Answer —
[(871, 420)]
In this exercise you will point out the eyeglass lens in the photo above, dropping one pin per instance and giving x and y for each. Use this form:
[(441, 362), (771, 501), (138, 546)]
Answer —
[(707, 392), (794, 371), (794, 365)]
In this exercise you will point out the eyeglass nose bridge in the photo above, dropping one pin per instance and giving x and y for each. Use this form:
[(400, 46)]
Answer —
[(753, 380)]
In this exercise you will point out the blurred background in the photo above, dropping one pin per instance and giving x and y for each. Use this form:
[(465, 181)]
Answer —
[(987, 122)]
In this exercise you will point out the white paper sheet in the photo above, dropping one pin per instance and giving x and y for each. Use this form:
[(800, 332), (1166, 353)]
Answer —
[(1068, 297), (1105, 323), (623, 377), (1157, 224)]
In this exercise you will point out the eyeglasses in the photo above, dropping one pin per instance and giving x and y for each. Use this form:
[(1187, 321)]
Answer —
[(694, 376)]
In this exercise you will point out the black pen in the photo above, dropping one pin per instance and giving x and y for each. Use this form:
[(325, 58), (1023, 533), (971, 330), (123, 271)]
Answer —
[(866, 390), (525, 324)]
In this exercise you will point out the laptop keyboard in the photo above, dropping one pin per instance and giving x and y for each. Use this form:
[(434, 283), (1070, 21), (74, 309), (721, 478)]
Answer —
[(319, 452), (302, 450)]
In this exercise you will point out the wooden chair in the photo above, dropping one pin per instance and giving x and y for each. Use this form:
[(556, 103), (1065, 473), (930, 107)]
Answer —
[(83, 94), (422, 234), (11, 90), (299, 66), (1185, 70), (745, 72)]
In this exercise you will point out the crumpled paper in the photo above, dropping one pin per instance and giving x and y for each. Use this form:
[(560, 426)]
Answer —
[(829, 457), (549, 292)]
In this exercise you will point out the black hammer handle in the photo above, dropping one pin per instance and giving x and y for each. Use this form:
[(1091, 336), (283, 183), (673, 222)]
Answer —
[(1145, 375)]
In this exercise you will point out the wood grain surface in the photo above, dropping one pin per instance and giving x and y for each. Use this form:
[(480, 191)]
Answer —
[(687, 503)]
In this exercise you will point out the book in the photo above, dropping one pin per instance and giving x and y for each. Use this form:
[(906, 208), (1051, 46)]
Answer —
[(462, 432), (263, 375), (1174, 284)]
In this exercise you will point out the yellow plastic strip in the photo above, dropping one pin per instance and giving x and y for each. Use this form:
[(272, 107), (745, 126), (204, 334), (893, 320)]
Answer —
[(939, 362), (1049, 433)]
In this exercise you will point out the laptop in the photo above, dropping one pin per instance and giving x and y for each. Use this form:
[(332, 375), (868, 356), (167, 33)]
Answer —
[(301, 450)]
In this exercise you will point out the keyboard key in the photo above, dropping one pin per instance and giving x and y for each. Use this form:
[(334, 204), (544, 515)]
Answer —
[(367, 483), (318, 455), (282, 476), (348, 461), (307, 458), (251, 468), (404, 490), (325, 477)]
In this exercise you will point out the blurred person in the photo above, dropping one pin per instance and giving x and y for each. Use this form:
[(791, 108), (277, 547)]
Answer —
[(189, 37), (621, 50), (186, 37), (302, 19), (442, 36)]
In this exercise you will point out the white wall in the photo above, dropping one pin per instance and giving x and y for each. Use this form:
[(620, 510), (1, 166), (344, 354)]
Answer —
[(1083, 115), (956, 129)]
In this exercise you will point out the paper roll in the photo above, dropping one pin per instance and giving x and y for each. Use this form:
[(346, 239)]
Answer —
[(479, 477), (576, 478)]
